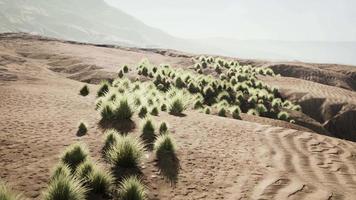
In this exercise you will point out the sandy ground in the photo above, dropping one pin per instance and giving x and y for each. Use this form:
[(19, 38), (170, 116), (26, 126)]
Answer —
[(219, 158)]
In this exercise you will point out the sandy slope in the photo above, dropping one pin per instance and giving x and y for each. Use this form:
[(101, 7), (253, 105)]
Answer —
[(219, 158)]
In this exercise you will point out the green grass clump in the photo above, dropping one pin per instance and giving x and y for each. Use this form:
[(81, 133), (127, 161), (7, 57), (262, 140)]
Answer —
[(100, 181), (252, 112), (65, 188), (103, 89), (125, 69), (111, 138), (84, 170), (142, 112), (163, 128), (176, 106), (132, 189), (74, 155), (107, 111), (148, 131), (261, 109), (123, 109), (235, 112), (164, 145), (61, 170), (7, 194), (222, 112), (82, 129), (84, 91), (154, 111), (164, 107), (283, 115), (207, 110), (126, 153)]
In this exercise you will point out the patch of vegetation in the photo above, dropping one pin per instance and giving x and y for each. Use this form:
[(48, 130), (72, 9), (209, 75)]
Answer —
[(82, 129), (84, 91), (132, 189), (7, 194), (148, 131), (65, 188), (75, 155)]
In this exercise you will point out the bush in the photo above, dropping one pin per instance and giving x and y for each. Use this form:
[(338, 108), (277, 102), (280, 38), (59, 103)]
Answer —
[(84, 91), (7, 194), (125, 68), (148, 131), (283, 115), (74, 155), (84, 170), (198, 104), (132, 189), (65, 188), (164, 145), (103, 89), (120, 74), (179, 83), (252, 112), (143, 112), (61, 170), (176, 106), (236, 111), (222, 112), (154, 111), (107, 111), (82, 129), (163, 128), (260, 108), (164, 107), (100, 181), (111, 138), (123, 110), (207, 110), (126, 153)]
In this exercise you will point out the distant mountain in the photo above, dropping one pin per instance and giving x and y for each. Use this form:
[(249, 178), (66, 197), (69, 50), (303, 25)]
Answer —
[(95, 21)]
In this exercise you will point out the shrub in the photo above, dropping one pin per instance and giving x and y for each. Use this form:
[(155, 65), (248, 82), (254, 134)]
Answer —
[(7, 194), (111, 138), (222, 112), (103, 89), (154, 111), (297, 108), (224, 96), (126, 153), (283, 115), (198, 104), (164, 145), (143, 112), (61, 170), (123, 109), (148, 131), (84, 91), (163, 128), (200, 71), (100, 181), (107, 111), (65, 188), (260, 108), (276, 103), (84, 170), (176, 106), (236, 111), (207, 110), (252, 112), (179, 83), (82, 129), (120, 74), (125, 69), (164, 107), (74, 155), (132, 189)]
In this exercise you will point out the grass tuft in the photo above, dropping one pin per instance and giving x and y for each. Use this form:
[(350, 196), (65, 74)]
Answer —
[(132, 189), (84, 91), (65, 188), (7, 194), (163, 128), (82, 129), (74, 155)]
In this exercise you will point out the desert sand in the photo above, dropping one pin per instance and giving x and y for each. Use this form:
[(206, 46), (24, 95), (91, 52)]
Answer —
[(219, 158)]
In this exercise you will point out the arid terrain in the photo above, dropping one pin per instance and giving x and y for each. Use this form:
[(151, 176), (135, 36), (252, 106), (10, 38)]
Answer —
[(219, 158)]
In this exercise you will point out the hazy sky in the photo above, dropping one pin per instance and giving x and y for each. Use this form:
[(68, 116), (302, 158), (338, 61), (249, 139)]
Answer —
[(326, 20)]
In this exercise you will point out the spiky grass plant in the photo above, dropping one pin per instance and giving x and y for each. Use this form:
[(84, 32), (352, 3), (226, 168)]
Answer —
[(283, 115), (163, 128), (222, 111), (65, 188), (126, 153), (123, 109), (82, 129), (125, 69), (148, 131), (207, 110), (177, 105), (235, 112), (164, 107), (252, 112), (84, 170), (120, 74), (7, 194), (132, 188), (84, 91), (260, 108), (103, 88), (100, 181), (164, 145), (107, 111), (74, 155), (111, 138), (60, 170), (142, 112), (154, 111)]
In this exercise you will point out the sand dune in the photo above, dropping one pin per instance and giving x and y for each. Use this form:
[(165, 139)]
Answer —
[(219, 158)]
